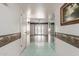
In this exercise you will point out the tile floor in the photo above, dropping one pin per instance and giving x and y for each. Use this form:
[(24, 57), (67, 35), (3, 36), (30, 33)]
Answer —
[(57, 48), (39, 49)]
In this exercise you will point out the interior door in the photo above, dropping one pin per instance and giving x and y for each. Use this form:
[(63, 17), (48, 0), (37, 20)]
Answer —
[(39, 32)]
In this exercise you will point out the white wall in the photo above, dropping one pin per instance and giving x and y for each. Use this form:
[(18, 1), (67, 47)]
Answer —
[(69, 29), (9, 24), (11, 49), (64, 49), (9, 19)]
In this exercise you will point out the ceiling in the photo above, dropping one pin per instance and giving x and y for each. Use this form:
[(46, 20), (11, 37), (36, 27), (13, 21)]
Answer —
[(45, 9)]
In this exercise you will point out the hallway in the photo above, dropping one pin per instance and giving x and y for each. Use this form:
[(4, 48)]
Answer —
[(39, 29)]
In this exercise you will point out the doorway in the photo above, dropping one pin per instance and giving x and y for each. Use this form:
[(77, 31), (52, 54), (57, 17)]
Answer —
[(38, 32)]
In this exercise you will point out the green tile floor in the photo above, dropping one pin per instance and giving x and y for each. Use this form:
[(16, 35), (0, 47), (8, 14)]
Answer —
[(44, 49)]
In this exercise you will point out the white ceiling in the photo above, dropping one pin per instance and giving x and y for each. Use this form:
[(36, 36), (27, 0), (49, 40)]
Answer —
[(46, 8)]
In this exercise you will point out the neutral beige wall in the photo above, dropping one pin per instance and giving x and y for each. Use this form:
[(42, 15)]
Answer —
[(69, 29)]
